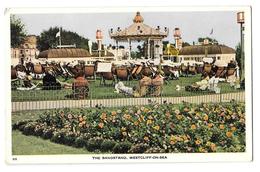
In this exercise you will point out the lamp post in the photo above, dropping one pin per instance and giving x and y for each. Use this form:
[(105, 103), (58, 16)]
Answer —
[(241, 21)]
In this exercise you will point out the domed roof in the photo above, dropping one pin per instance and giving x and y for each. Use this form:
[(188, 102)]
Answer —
[(212, 49), (138, 18), (64, 53)]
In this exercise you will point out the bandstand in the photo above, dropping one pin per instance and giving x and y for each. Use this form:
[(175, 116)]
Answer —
[(139, 31)]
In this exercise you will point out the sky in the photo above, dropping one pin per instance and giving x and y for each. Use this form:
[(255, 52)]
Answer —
[(192, 24)]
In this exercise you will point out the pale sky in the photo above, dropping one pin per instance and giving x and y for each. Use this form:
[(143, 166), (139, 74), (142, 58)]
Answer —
[(192, 24)]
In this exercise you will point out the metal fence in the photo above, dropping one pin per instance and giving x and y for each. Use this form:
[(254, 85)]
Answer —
[(98, 94)]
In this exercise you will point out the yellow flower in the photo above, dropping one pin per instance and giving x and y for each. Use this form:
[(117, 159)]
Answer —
[(179, 117), (113, 113), (221, 126), (157, 127), (123, 129), (210, 125), (229, 134), (213, 146), (201, 149), (228, 116), (80, 119), (150, 117), (198, 142), (101, 125), (206, 117), (193, 127), (233, 128), (127, 116), (146, 138), (124, 133), (103, 116), (149, 122)]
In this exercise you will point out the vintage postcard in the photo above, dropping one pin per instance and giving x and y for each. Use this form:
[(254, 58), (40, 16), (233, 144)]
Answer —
[(120, 85)]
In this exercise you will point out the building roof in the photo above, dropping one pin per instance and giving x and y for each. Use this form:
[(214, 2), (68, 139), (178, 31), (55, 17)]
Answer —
[(138, 30), (64, 53), (70, 53), (212, 49)]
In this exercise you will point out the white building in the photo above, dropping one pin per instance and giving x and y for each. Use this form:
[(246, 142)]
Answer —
[(198, 52)]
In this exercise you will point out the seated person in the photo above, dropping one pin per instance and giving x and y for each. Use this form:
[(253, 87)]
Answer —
[(49, 82), (200, 85), (143, 85), (80, 86), (157, 84)]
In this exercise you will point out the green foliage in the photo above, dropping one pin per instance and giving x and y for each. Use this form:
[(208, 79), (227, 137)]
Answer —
[(48, 39), (107, 145), (122, 147), (139, 148), (201, 39), (18, 32), (94, 143), (238, 54), (152, 129)]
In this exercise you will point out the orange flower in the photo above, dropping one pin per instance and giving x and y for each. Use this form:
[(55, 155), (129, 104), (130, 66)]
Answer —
[(210, 125), (193, 127), (101, 125), (206, 117), (113, 113), (221, 126), (103, 116), (157, 127), (198, 142), (167, 114), (136, 123), (233, 128), (172, 142), (80, 119), (146, 138), (229, 134)]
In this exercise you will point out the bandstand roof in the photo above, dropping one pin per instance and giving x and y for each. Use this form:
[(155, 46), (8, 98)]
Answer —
[(138, 31)]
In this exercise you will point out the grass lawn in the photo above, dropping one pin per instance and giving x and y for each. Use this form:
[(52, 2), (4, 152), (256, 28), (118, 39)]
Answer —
[(98, 91), (31, 145)]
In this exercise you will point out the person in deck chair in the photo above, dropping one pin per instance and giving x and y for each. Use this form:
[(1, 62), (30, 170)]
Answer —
[(80, 86), (157, 84), (143, 86)]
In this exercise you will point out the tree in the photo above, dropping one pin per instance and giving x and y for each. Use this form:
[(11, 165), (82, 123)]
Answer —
[(210, 40), (238, 54), (18, 31), (48, 39), (184, 44)]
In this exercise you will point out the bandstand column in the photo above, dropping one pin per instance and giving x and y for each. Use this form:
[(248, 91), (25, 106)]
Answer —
[(117, 49), (130, 48), (148, 48)]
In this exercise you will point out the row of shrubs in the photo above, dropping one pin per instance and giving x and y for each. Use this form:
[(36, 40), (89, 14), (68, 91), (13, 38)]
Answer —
[(95, 144), (145, 129)]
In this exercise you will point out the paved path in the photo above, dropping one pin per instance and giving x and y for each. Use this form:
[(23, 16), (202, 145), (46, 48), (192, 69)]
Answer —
[(38, 105)]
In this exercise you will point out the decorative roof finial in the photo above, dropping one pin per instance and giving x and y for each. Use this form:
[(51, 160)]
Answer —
[(138, 18)]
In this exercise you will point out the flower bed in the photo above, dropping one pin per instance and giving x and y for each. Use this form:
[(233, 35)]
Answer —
[(151, 129)]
